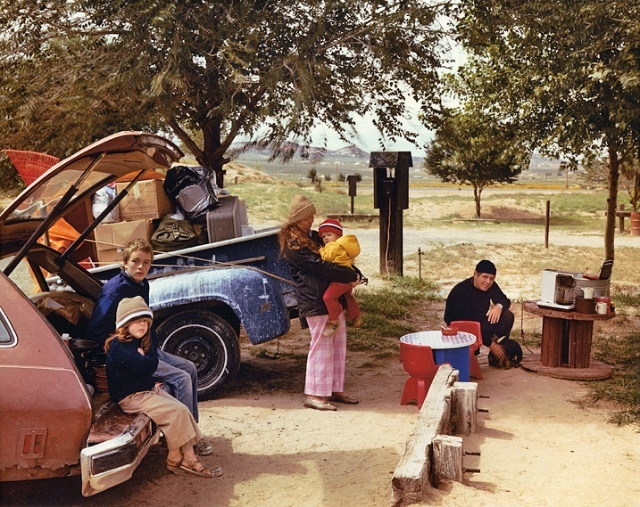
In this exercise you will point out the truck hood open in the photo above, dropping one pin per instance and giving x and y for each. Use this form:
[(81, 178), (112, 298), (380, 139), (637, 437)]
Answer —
[(77, 178)]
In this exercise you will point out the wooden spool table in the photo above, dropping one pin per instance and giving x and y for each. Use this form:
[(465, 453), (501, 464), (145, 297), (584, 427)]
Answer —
[(566, 344)]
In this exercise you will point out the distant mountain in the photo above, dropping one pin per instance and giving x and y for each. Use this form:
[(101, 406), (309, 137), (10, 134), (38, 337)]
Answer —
[(241, 150), (350, 151), (543, 164)]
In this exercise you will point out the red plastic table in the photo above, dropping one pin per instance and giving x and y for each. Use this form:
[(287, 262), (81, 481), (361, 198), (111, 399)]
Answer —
[(446, 349)]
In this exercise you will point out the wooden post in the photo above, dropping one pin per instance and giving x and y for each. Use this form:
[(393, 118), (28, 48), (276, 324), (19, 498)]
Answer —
[(390, 196), (621, 218), (465, 407), (546, 225), (447, 458), (390, 234), (352, 180)]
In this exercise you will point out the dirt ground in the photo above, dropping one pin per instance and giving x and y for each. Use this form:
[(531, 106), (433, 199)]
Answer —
[(542, 441)]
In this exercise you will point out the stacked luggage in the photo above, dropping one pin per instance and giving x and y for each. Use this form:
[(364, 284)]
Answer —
[(184, 209)]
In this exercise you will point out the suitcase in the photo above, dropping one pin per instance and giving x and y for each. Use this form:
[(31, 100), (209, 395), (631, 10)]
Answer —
[(226, 221)]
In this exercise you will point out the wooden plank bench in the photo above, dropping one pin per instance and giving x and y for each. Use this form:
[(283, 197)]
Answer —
[(622, 214), (450, 407)]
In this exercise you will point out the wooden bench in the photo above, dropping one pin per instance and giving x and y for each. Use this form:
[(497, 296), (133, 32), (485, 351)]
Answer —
[(622, 214)]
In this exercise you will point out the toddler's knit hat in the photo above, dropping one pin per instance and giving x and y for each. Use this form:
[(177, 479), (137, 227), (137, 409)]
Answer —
[(301, 208), (331, 225), (130, 309)]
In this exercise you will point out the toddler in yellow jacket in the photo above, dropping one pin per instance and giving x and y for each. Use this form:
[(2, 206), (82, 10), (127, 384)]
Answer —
[(340, 249)]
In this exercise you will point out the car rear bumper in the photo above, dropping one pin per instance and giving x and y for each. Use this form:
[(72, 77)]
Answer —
[(113, 461)]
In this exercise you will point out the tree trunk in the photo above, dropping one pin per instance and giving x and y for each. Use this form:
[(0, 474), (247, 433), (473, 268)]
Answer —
[(612, 203), (212, 155), (477, 192)]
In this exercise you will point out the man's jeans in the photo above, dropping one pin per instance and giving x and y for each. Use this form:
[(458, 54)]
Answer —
[(181, 376)]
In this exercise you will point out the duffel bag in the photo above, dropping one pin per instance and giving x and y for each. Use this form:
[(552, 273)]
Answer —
[(174, 234)]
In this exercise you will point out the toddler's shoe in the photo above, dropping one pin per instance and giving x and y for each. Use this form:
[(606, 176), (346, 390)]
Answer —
[(330, 328), (357, 322)]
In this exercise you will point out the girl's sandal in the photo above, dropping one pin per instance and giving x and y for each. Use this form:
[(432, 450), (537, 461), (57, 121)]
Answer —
[(174, 467), (195, 467)]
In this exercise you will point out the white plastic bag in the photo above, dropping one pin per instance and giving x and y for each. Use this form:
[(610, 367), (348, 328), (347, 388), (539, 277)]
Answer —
[(101, 199)]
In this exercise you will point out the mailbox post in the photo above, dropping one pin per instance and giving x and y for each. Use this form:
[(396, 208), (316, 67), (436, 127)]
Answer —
[(353, 187), (391, 196)]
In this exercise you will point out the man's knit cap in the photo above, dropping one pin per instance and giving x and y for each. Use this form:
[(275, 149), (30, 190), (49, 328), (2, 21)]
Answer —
[(485, 266)]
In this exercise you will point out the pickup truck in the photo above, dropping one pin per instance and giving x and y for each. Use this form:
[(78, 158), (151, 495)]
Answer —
[(54, 423), (202, 296)]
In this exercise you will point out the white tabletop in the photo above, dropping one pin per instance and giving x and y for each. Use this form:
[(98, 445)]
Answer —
[(435, 340)]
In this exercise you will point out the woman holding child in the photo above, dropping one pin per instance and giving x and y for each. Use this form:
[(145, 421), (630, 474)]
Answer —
[(300, 246)]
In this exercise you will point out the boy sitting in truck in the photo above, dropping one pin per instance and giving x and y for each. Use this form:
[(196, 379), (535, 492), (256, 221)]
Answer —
[(173, 371)]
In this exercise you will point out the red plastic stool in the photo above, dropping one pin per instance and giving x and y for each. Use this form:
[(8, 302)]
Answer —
[(418, 362)]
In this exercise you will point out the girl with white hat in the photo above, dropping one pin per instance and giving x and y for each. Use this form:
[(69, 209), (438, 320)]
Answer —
[(131, 363)]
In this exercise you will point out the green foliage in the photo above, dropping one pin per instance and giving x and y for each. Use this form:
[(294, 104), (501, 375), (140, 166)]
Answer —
[(312, 175), (624, 386), (392, 301), (471, 147), (211, 71), (9, 177), (564, 72)]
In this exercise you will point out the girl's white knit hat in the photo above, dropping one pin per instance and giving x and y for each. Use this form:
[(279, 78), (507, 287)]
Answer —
[(130, 309)]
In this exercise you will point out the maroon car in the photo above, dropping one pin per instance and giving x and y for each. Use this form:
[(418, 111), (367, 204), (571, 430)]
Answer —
[(52, 424)]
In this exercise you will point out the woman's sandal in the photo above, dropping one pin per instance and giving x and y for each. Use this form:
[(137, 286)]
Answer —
[(343, 398), (195, 467)]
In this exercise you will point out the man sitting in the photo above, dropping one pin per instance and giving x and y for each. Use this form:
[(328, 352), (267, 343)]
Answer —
[(480, 299)]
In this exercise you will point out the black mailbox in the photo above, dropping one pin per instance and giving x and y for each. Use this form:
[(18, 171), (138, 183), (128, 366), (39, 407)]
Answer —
[(391, 178), (353, 184)]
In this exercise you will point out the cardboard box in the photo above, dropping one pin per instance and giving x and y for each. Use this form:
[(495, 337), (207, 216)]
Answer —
[(146, 200), (112, 238)]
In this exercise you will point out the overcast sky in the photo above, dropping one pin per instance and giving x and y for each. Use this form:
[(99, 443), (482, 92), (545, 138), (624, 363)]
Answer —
[(368, 138)]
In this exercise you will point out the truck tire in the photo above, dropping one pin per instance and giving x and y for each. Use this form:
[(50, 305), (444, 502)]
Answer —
[(208, 341)]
